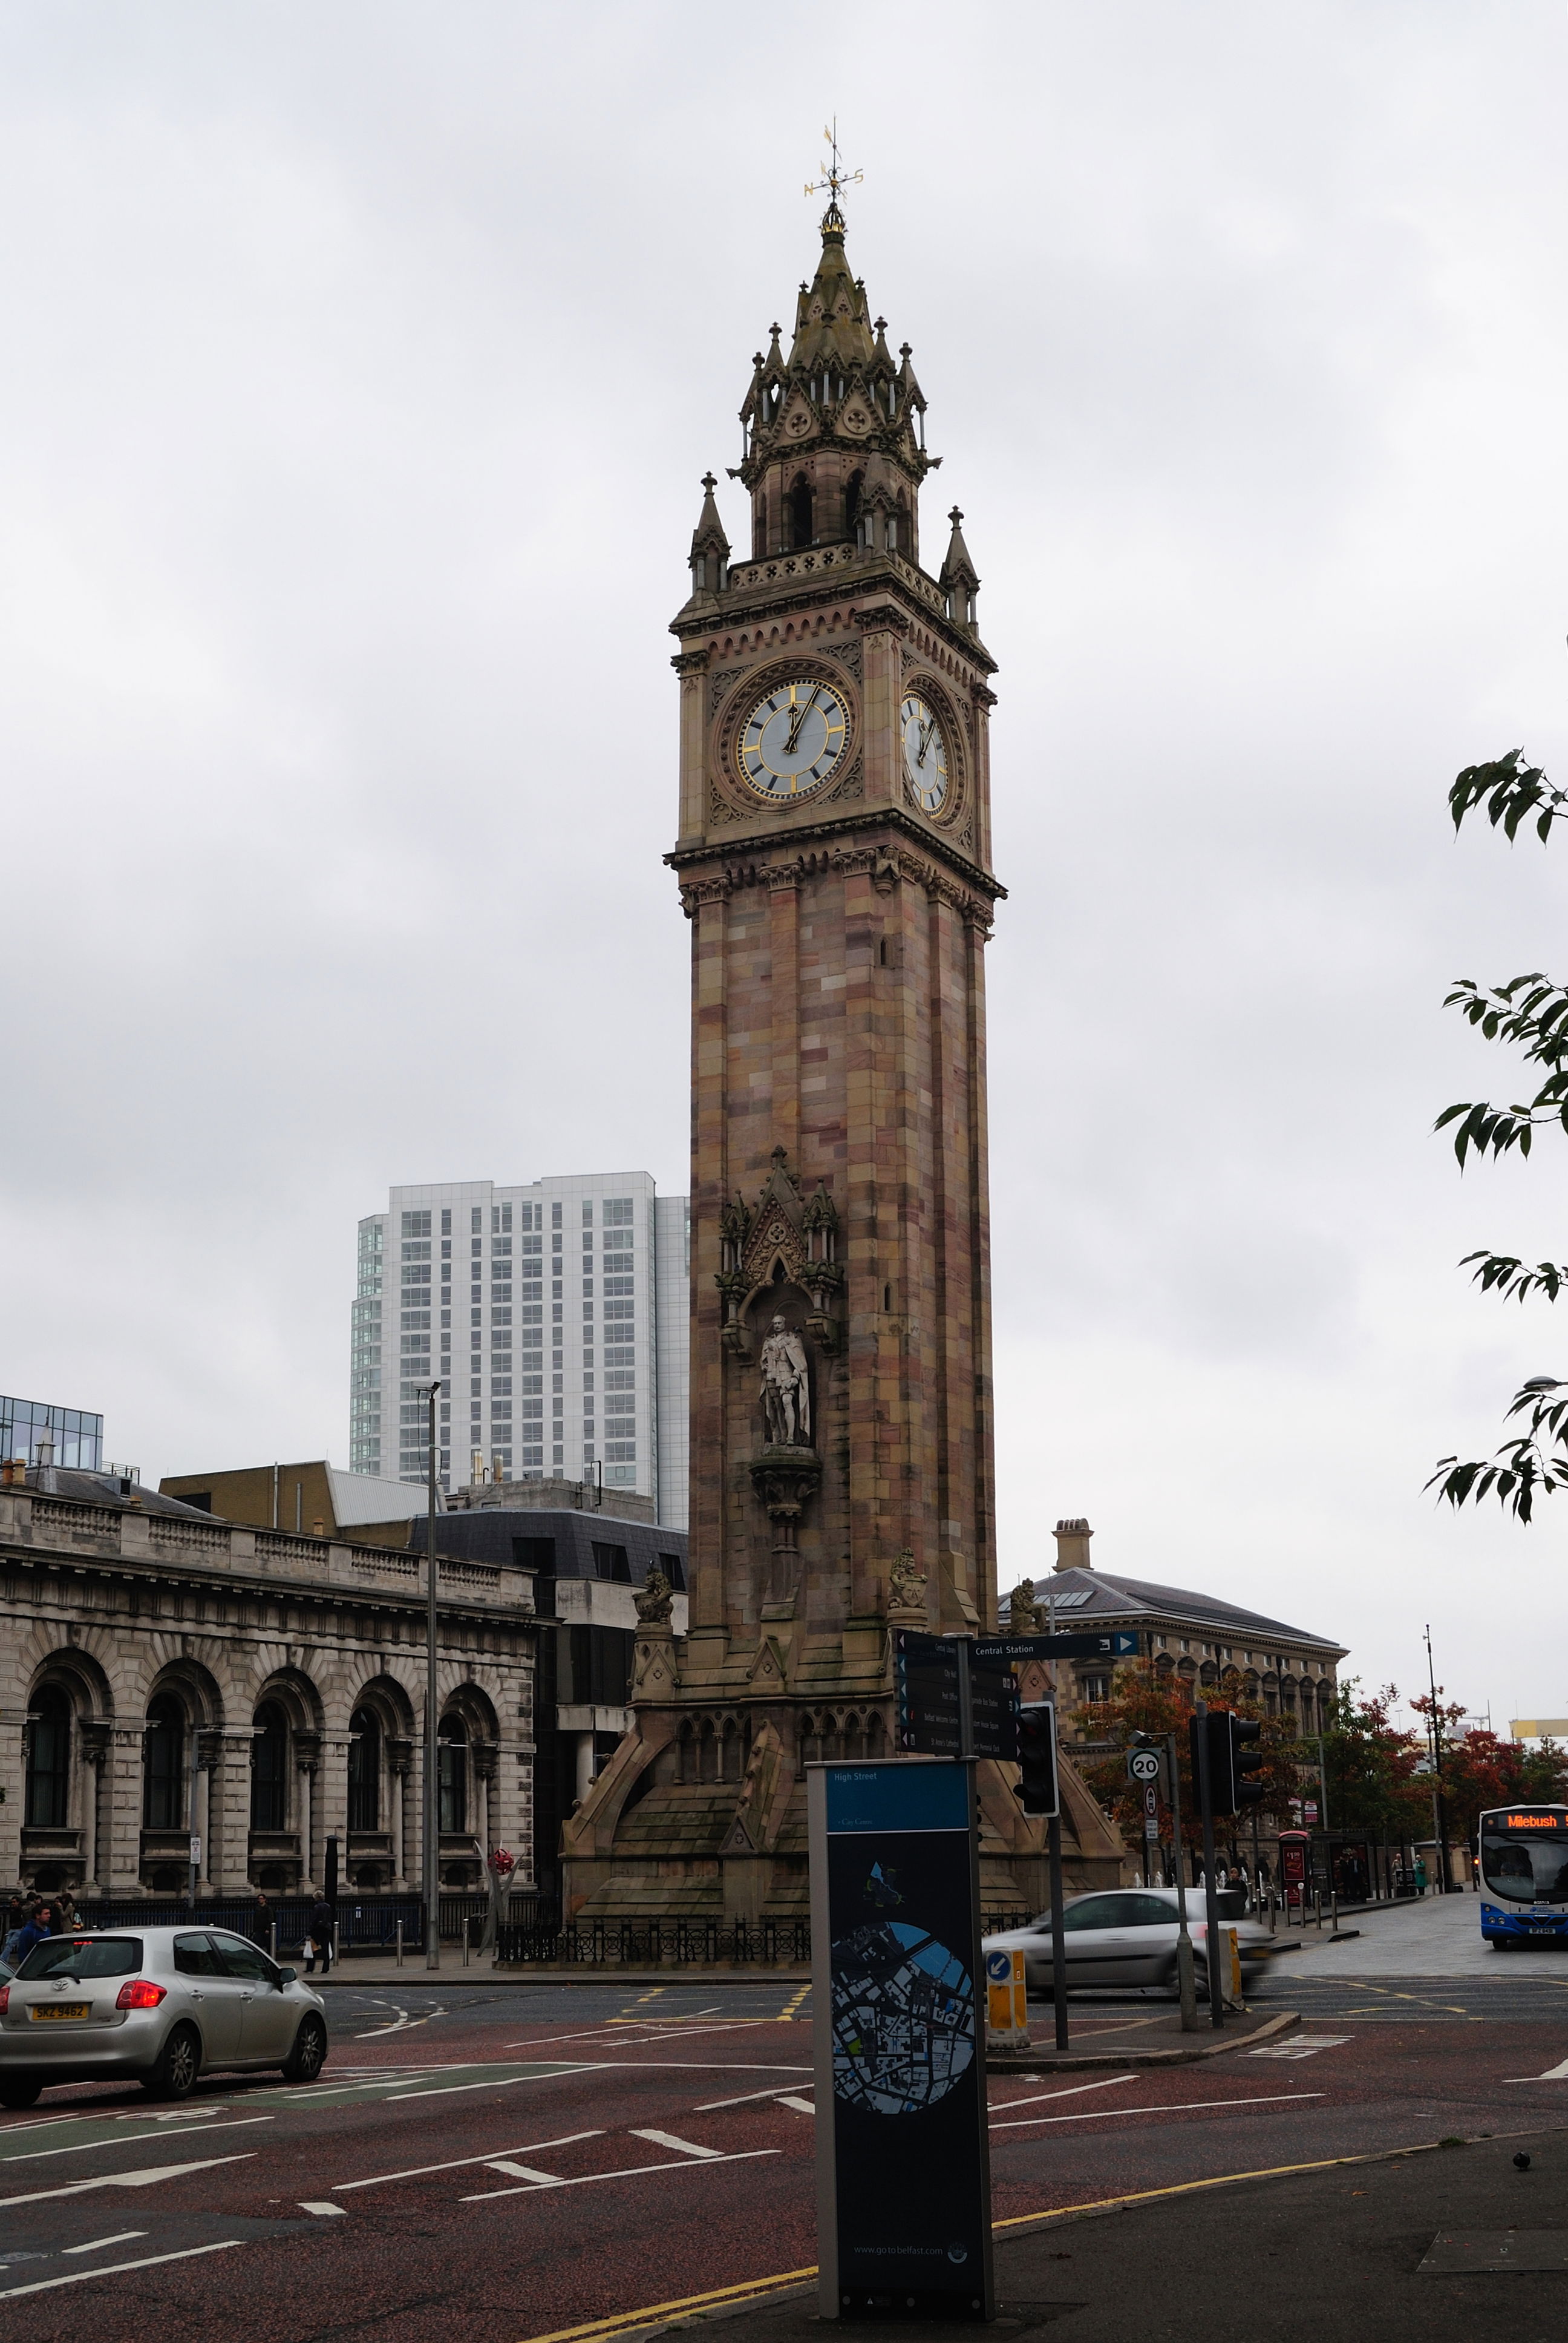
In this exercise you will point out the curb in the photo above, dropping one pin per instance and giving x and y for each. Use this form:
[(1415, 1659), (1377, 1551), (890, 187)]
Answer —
[(606, 1976), (1057, 2063)]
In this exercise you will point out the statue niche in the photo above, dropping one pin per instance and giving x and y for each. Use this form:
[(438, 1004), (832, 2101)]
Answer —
[(787, 1471)]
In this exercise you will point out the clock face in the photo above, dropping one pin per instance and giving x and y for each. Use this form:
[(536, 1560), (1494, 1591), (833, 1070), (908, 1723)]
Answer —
[(925, 753), (793, 739)]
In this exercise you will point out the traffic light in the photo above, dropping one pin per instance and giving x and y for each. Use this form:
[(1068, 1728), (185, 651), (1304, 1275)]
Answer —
[(1232, 1755), (1246, 1758), (1037, 1756)]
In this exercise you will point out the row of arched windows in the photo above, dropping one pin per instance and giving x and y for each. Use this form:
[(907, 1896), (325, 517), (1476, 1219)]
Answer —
[(805, 524)]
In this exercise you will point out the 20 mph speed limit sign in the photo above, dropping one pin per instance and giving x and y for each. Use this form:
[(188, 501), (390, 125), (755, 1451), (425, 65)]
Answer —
[(1144, 1766)]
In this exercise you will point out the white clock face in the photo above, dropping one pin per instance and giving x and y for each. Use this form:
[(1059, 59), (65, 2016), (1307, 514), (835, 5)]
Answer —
[(925, 753), (793, 739)]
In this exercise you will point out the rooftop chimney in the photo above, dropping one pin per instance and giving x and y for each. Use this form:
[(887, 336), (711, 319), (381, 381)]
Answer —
[(1072, 1544)]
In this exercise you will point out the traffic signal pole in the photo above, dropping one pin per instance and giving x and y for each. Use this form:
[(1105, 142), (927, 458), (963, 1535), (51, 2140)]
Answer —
[(1210, 1892), (1057, 1948), (1186, 1985)]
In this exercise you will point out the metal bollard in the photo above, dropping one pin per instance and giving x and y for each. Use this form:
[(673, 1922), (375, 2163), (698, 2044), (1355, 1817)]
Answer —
[(272, 1945), (399, 1943), (465, 1941)]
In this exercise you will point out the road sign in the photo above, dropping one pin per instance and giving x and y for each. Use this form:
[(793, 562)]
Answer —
[(902, 2169), (1120, 1644), (929, 1676), (1007, 2002), (1144, 1766)]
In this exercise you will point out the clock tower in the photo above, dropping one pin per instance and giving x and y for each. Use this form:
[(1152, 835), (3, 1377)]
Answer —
[(834, 860)]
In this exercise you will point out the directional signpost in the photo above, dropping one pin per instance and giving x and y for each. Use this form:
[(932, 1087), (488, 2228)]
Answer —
[(951, 1703)]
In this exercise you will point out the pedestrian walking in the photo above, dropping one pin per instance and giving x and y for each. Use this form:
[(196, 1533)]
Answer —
[(66, 1919), (1420, 1874), (261, 1930), (34, 1931), (318, 1943)]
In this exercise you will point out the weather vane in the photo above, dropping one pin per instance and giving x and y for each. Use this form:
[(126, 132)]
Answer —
[(835, 176)]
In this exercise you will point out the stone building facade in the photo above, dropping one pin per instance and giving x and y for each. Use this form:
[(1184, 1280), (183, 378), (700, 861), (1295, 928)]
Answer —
[(162, 1673), (834, 862)]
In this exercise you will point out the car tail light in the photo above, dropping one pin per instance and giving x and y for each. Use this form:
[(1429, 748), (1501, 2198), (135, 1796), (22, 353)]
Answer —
[(5, 1999), (140, 1994)]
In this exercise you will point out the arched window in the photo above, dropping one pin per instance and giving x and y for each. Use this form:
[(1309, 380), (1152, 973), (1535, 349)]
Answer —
[(800, 524), (49, 1759), (852, 495), (452, 1770), (164, 1765), (269, 1770), (707, 1754), (364, 1772)]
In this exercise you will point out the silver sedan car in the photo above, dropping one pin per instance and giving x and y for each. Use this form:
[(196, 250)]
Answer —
[(1125, 1936), (158, 2006)]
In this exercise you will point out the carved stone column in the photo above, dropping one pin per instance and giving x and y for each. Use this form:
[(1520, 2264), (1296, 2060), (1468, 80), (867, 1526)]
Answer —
[(784, 1478)]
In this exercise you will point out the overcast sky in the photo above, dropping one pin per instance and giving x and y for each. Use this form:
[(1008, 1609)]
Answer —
[(358, 367)]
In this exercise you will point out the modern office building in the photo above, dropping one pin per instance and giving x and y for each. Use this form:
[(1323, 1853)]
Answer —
[(555, 1312), (75, 1437)]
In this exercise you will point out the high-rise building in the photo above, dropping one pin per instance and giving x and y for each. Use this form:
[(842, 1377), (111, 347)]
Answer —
[(556, 1314)]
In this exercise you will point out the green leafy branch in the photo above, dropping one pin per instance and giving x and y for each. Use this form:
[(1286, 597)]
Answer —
[(1531, 1010), (1502, 1273), (1511, 793), (1529, 1469)]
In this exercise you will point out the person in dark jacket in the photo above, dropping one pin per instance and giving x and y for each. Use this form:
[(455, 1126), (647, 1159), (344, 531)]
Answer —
[(319, 1943), (34, 1931), (261, 1927)]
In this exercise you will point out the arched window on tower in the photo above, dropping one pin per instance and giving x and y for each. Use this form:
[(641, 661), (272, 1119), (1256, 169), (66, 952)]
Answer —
[(800, 522), (164, 1765), (49, 1759), (854, 491), (270, 1769), (364, 1771)]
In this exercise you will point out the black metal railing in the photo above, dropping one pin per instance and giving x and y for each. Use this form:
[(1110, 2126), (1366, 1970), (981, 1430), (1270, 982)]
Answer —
[(366, 1924), (676, 1943)]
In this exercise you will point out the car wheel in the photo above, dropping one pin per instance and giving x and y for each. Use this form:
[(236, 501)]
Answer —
[(1502, 1943), (175, 2075), (308, 2056), (20, 2090)]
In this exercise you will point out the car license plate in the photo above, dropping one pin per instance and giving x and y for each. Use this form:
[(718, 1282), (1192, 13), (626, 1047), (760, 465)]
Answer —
[(44, 2010)]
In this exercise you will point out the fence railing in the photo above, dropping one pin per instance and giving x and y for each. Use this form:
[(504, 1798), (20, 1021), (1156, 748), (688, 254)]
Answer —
[(676, 1943), (365, 1923)]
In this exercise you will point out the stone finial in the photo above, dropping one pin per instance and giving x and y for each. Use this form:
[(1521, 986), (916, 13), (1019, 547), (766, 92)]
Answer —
[(655, 1599), (1023, 1612)]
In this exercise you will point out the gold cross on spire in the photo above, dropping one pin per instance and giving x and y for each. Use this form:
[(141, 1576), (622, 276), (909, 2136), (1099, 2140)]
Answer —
[(834, 176)]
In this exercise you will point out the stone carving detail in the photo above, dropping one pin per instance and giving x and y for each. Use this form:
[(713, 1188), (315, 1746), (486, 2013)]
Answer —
[(781, 1233), (719, 808), (853, 784), (1023, 1612), (655, 1599), (907, 1585), (786, 1390)]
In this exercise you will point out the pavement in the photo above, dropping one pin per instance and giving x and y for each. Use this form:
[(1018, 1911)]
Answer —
[(494, 2159)]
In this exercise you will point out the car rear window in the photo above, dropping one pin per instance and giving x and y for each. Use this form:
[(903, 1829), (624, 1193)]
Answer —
[(82, 1957)]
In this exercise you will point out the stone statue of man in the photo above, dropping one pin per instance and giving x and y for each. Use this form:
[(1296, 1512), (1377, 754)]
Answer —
[(786, 1393)]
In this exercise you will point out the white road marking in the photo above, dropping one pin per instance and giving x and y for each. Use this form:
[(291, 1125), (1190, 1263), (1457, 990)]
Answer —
[(801, 2107), (600, 2032), (1553, 2074), (520, 2171), (773, 2091), (127, 2139), (682, 2147), (320, 2205), (1297, 2046), (120, 2238), (402, 2024), (496, 2083), (142, 2179), (417, 2171), (113, 2269), (686, 2163), (1073, 2091), (1177, 2107)]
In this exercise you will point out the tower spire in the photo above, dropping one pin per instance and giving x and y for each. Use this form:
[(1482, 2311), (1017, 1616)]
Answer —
[(834, 176)]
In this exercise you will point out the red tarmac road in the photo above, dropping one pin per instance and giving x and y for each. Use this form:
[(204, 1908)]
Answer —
[(533, 2177)]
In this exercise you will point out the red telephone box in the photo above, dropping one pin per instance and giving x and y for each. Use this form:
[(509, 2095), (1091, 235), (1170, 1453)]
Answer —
[(1294, 1846)]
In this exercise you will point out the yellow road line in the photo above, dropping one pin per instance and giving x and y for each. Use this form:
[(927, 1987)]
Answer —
[(626, 2320), (791, 2007)]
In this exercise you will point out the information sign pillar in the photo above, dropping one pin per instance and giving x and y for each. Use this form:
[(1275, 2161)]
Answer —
[(903, 2174)]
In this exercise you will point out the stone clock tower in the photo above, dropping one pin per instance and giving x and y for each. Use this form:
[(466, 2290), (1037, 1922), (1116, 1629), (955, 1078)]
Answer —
[(834, 862)]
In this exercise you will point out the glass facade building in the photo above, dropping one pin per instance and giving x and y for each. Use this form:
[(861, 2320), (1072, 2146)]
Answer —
[(554, 1314), (76, 1436)]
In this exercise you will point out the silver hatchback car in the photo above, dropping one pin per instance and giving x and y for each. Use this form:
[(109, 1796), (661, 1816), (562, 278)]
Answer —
[(158, 2006), (1127, 1936)]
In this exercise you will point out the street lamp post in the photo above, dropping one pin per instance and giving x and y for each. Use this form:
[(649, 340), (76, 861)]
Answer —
[(1439, 1803), (432, 1793)]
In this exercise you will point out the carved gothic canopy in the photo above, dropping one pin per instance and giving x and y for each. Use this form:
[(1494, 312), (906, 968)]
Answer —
[(782, 1239)]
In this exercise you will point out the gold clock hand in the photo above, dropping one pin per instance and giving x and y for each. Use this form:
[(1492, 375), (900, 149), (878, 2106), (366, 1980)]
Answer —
[(926, 741), (799, 717)]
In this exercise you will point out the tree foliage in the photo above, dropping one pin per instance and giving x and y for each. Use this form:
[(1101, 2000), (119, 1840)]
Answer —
[(1529, 1013)]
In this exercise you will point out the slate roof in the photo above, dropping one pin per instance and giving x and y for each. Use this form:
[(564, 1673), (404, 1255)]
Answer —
[(108, 1489), (1140, 1601), (487, 1534)]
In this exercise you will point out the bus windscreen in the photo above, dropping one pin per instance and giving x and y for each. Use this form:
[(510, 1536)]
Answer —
[(1533, 1870)]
